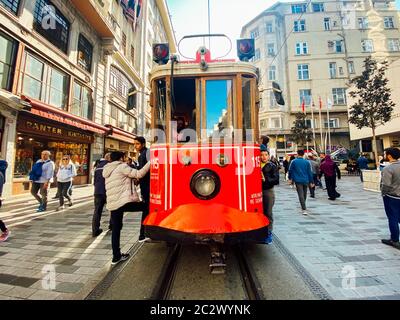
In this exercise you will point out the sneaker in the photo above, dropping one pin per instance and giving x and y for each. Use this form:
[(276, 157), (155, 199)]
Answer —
[(304, 212), (60, 208), (40, 209), (268, 240), (97, 233), (395, 244), (123, 257), (70, 203), (4, 236), (143, 239)]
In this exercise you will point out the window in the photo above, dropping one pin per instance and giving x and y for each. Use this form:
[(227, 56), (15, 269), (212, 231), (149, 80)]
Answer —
[(388, 22), (257, 55), (272, 73), (394, 45), (43, 82), (271, 49), (123, 43), (327, 23), (301, 48), (119, 83), (275, 123), (305, 94), (341, 72), (272, 100), (300, 26), (8, 50), (332, 70), (351, 67), (310, 124), (335, 46), (133, 55), (59, 33), (85, 53), (339, 96), (299, 8), (367, 45), (302, 72), (318, 7), (363, 23), (269, 27), (10, 5), (82, 104), (263, 124), (333, 123), (254, 33)]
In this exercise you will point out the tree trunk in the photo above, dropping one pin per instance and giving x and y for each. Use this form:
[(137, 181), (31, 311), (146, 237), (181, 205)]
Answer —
[(375, 148)]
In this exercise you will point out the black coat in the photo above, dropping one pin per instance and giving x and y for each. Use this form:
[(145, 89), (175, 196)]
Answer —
[(144, 157), (99, 181)]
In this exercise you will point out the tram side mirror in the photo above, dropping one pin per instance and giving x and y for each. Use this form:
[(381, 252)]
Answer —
[(161, 53), (132, 98), (278, 93), (245, 49)]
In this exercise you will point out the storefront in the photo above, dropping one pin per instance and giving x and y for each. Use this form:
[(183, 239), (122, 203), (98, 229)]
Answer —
[(120, 140), (44, 128)]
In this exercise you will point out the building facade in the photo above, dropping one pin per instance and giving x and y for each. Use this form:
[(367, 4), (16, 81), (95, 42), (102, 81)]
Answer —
[(68, 68), (312, 49)]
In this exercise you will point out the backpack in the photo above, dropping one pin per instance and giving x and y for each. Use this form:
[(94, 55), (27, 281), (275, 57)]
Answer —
[(36, 171)]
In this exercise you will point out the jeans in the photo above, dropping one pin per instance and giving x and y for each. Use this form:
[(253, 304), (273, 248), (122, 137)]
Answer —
[(99, 202), (146, 210), (3, 227), (117, 217), (302, 193), (36, 187), (331, 187), (392, 209), (312, 189), (63, 191), (268, 204)]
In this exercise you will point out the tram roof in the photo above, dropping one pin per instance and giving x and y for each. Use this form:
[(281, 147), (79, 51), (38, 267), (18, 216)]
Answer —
[(194, 69)]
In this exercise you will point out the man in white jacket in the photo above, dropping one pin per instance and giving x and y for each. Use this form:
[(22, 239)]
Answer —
[(121, 197)]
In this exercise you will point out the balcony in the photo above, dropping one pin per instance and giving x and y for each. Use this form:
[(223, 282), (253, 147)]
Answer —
[(95, 12)]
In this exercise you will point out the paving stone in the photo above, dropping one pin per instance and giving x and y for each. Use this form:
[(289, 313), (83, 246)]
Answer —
[(20, 292), (44, 295), (66, 269), (23, 282), (7, 278), (68, 287), (365, 258)]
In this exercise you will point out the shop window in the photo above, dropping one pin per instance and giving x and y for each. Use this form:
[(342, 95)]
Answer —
[(51, 24), (8, 49), (85, 53), (83, 104), (43, 82), (10, 5)]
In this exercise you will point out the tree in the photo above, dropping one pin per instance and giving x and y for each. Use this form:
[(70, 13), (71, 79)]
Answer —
[(301, 133), (373, 106)]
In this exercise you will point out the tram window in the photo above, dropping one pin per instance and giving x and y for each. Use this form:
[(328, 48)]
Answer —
[(183, 111), (219, 108), (248, 134), (160, 112)]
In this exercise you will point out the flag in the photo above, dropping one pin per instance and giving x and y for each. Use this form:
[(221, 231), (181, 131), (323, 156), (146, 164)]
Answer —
[(303, 106), (320, 103), (330, 104)]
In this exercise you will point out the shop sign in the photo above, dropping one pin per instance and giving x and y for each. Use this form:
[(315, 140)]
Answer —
[(53, 131)]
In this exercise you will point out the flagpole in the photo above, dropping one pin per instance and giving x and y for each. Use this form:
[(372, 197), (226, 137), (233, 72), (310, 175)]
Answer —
[(320, 125), (329, 127), (312, 124)]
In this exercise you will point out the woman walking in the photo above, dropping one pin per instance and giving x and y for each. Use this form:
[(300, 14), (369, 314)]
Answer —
[(5, 233), (330, 170), (65, 175), (121, 197)]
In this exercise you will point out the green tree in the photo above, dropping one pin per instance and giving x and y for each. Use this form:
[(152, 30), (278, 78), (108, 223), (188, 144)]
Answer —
[(373, 106), (301, 133)]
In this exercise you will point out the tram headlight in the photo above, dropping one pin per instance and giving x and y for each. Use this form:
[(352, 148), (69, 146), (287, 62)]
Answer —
[(205, 184)]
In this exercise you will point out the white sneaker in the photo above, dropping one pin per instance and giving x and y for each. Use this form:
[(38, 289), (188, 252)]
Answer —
[(305, 213)]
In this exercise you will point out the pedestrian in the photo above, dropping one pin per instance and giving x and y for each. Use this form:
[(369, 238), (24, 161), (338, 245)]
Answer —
[(140, 146), (41, 176), (362, 163), (391, 195), (100, 198), (121, 197), (5, 233), (65, 175), (264, 140), (286, 166), (315, 171), (270, 178), (330, 170), (301, 175)]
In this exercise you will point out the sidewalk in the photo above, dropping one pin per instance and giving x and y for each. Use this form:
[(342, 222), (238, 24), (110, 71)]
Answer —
[(339, 243), (41, 243)]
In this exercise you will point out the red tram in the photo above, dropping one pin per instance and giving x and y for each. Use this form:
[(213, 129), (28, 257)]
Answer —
[(205, 175)]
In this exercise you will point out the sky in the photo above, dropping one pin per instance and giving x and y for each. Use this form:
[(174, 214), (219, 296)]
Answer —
[(227, 16)]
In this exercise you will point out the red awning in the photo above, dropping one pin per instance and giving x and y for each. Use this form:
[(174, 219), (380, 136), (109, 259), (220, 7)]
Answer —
[(46, 111)]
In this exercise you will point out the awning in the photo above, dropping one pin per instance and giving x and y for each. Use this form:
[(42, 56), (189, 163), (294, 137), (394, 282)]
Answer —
[(121, 135), (46, 111)]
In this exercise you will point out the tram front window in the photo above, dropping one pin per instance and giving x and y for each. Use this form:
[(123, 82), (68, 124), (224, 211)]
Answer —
[(160, 112), (219, 123)]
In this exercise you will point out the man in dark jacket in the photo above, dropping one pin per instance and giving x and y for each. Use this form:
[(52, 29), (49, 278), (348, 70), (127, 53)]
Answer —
[(100, 198), (144, 156), (362, 163)]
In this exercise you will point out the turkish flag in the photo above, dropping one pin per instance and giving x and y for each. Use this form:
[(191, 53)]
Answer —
[(320, 103), (303, 106)]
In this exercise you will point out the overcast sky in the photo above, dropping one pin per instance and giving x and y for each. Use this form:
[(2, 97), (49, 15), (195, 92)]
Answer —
[(227, 16)]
